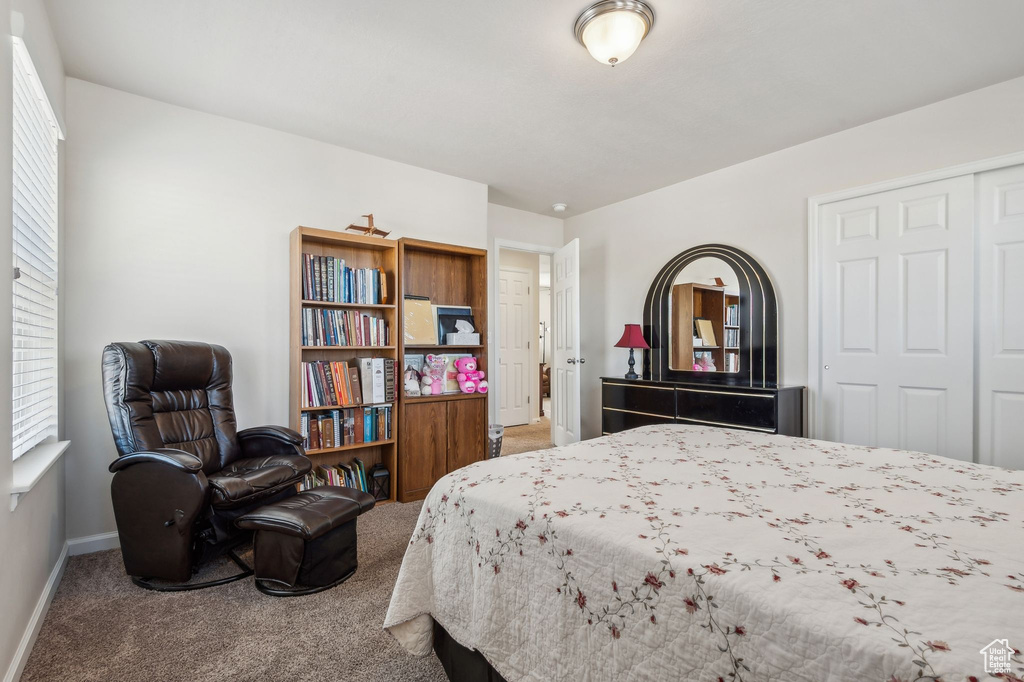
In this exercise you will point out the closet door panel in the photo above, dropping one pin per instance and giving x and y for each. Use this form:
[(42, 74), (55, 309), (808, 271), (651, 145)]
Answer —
[(897, 318), (1001, 317)]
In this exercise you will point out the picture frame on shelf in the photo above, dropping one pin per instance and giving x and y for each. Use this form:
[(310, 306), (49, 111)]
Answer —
[(451, 382)]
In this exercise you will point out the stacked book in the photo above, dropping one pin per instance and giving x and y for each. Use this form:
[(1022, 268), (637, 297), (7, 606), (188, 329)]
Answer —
[(732, 315), (366, 382), (732, 362), (326, 278), (326, 327), (345, 426), (732, 338), (348, 475)]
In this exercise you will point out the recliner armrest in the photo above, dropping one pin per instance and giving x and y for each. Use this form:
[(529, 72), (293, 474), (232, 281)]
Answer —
[(178, 459), (280, 433)]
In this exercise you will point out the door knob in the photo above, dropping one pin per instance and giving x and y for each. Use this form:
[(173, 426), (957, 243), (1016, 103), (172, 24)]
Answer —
[(571, 361), (582, 360)]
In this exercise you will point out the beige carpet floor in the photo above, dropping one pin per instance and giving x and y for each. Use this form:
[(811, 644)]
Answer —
[(527, 438), (101, 627)]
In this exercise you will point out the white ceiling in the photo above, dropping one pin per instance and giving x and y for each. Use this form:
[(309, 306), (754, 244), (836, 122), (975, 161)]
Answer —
[(499, 92)]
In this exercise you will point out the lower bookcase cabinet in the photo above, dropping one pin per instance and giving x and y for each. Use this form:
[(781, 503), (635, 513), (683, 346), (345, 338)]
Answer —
[(438, 436)]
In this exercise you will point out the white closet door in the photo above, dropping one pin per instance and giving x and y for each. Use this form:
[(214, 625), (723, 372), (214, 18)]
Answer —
[(897, 320), (1001, 317)]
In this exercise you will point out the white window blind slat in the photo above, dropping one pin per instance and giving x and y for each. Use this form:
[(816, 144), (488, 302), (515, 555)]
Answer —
[(34, 256)]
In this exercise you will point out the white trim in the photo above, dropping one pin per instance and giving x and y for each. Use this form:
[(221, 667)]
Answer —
[(93, 543), (814, 263), (30, 468), (493, 358), (35, 622)]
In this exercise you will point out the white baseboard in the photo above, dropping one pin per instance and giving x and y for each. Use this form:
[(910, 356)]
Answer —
[(93, 543), (36, 621)]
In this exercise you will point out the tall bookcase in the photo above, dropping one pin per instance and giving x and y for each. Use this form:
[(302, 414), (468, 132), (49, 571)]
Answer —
[(691, 301), (358, 252), (440, 433)]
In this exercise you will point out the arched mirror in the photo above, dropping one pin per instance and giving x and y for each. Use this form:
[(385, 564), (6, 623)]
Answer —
[(711, 317)]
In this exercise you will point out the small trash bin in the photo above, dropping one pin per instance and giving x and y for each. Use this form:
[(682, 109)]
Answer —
[(494, 434)]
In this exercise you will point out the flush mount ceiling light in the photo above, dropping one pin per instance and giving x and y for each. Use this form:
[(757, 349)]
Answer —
[(611, 30)]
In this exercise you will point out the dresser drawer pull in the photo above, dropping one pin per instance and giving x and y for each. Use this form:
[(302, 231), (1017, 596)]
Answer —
[(646, 414), (745, 395), (653, 388), (737, 426)]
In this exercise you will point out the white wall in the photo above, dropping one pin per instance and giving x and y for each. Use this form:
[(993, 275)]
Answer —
[(525, 260), (178, 228), (760, 206), (33, 535)]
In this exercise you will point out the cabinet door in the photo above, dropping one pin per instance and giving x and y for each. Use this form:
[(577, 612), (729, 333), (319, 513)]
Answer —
[(467, 423), (423, 448)]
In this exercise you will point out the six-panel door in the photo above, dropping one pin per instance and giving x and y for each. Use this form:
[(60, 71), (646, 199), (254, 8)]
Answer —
[(897, 318)]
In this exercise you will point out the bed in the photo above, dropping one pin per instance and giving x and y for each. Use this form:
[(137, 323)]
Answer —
[(696, 553)]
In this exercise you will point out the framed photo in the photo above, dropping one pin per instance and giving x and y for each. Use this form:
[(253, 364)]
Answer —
[(445, 317), (451, 381)]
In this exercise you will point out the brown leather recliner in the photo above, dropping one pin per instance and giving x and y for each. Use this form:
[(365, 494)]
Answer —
[(185, 473)]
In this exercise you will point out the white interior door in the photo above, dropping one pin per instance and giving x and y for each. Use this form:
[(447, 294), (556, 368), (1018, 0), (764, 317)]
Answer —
[(1001, 317), (566, 361), (515, 312), (897, 319)]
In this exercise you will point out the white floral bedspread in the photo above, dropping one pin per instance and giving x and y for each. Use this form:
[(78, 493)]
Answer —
[(687, 553)]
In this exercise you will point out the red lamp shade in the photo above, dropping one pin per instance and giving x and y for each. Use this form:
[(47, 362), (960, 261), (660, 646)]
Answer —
[(632, 337)]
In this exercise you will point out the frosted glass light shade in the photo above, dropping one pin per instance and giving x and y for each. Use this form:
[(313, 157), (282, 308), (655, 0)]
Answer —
[(613, 37)]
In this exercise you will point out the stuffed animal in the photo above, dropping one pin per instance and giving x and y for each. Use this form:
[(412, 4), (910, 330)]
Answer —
[(470, 380), (411, 379), (432, 382)]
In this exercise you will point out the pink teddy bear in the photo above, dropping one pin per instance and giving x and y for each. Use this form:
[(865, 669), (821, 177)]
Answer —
[(470, 380)]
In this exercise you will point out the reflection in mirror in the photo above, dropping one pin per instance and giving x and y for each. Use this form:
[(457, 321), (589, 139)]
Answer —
[(704, 309)]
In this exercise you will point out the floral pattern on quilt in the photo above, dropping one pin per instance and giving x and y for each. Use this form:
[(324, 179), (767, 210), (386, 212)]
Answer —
[(690, 553)]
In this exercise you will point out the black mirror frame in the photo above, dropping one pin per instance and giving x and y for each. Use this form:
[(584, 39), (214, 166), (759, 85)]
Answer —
[(759, 337)]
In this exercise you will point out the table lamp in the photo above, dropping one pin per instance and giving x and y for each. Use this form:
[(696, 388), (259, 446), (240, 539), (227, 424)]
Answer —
[(632, 337)]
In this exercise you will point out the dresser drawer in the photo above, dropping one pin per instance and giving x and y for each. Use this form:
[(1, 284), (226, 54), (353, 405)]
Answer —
[(721, 407), (656, 400)]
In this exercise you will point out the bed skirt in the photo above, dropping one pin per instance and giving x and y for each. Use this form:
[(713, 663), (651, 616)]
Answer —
[(462, 664)]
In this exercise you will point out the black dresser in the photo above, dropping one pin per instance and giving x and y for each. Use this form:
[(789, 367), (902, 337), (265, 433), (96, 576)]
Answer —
[(628, 403)]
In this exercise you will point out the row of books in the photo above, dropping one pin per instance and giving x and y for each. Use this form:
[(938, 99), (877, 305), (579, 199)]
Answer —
[(326, 278), (348, 475), (325, 327), (732, 314), (732, 338), (732, 362), (347, 426), (365, 382)]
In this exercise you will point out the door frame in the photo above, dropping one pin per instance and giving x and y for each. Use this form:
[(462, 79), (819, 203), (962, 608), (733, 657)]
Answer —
[(497, 344), (494, 352), (814, 273)]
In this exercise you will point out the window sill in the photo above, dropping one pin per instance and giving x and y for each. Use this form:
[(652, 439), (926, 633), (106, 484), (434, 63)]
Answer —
[(30, 468)]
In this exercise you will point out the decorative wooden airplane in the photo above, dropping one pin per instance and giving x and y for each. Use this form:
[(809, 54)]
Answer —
[(369, 230)]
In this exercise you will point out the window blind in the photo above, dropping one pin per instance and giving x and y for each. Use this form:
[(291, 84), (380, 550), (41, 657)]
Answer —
[(35, 259)]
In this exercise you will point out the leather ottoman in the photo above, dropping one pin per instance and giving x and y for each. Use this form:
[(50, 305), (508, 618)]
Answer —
[(306, 543)]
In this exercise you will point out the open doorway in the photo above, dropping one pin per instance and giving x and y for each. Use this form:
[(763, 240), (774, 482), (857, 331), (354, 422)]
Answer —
[(524, 328)]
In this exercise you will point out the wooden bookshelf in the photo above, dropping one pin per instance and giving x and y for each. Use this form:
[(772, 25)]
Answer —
[(441, 433), (358, 252), (689, 302)]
